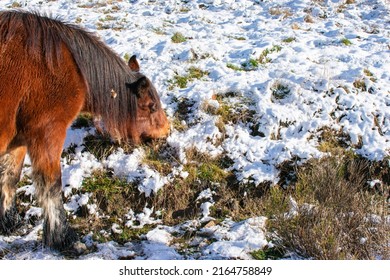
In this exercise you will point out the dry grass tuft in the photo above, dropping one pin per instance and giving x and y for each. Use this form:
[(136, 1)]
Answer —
[(335, 214)]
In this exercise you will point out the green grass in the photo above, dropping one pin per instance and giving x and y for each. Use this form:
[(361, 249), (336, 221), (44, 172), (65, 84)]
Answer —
[(346, 42), (108, 191), (178, 38), (181, 81), (264, 56), (84, 120), (289, 40), (205, 169), (211, 172), (263, 59), (255, 63), (193, 73), (252, 63), (234, 67), (273, 253)]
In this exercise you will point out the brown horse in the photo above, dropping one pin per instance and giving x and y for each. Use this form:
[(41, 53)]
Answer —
[(49, 72)]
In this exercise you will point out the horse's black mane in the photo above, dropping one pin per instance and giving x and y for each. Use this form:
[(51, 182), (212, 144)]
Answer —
[(102, 69)]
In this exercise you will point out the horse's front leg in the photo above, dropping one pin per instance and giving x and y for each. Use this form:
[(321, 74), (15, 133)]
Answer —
[(10, 168)]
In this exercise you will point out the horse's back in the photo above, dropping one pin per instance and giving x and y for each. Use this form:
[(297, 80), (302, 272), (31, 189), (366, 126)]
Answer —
[(34, 95)]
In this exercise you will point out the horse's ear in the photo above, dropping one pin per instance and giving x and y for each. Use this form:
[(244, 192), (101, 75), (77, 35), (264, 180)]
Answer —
[(142, 82), (133, 64)]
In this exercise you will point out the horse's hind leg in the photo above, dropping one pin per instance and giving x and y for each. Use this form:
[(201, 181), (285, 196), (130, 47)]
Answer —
[(10, 168), (45, 153)]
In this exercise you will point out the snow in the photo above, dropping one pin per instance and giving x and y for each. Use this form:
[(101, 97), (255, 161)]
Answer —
[(143, 218), (236, 240), (316, 68)]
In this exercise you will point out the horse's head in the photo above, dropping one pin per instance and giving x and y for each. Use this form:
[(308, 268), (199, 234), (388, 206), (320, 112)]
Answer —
[(151, 121)]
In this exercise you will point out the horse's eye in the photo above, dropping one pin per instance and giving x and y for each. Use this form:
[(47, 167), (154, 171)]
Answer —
[(153, 107)]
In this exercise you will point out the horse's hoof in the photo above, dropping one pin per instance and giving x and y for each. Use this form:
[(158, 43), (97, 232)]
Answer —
[(61, 242), (10, 222)]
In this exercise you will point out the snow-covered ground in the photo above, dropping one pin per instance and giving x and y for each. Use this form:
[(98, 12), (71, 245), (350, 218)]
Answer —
[(325, 65)]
